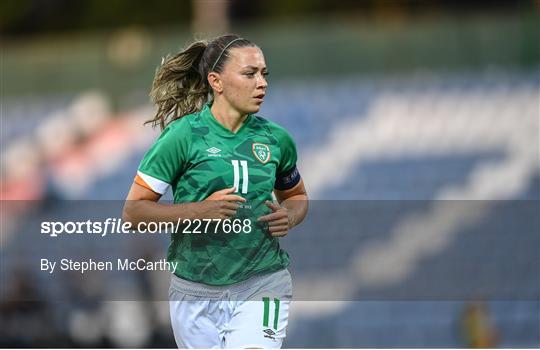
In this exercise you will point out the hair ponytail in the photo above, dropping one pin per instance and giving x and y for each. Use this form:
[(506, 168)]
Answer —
[(179, 88)]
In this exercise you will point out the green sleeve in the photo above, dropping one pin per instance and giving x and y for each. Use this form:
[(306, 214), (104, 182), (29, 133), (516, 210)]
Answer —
[(289, 156), (167, 158)]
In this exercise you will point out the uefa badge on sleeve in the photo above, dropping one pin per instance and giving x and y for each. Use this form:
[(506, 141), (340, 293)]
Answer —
[(261, 152)]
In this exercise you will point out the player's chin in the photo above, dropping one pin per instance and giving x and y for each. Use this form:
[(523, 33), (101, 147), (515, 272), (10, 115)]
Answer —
[(254, 107)]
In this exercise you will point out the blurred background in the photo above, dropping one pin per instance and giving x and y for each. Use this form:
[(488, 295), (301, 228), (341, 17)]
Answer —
[(410, 103)]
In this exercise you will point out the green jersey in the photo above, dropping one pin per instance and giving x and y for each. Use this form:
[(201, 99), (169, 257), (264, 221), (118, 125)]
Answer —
[(197, 156)]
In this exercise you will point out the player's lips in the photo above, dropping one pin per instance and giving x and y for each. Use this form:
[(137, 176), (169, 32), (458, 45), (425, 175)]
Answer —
[(260, 97)]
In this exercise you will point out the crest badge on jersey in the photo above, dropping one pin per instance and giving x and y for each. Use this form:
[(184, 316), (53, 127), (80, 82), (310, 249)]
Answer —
[(261, 152)]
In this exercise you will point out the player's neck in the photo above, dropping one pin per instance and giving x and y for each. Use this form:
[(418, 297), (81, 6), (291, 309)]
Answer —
[(227, 116)]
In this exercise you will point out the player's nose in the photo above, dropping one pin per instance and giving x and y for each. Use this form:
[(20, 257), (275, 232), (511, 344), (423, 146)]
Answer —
[(261, 82)]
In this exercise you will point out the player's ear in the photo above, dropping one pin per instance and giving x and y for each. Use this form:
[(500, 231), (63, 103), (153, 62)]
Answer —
[(215, 82)]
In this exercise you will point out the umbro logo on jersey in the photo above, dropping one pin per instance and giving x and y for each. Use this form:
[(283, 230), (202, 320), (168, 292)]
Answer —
[(269, 333), (214, 152)]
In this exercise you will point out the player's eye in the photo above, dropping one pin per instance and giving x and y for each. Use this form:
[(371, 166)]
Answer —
[(250, 74), (265, 73)]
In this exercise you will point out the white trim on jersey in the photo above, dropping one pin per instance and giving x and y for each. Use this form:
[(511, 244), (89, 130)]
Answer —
[(156, 185)]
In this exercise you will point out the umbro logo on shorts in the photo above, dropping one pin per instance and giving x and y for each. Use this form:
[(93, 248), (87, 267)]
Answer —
[(269, 334), (214, 152)]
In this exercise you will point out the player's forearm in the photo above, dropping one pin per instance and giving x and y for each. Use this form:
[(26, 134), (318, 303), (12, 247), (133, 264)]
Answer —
[(297, 207), (145, 211)]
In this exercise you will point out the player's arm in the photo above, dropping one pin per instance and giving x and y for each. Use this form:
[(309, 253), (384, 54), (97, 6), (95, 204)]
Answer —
[(142, 206), (295, 200), (289, 190), (291, 210)]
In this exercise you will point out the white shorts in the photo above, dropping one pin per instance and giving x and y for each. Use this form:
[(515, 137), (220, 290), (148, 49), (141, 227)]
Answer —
[(252, 313)]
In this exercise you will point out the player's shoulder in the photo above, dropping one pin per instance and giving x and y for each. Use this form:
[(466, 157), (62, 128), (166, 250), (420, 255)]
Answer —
[(183, 125)]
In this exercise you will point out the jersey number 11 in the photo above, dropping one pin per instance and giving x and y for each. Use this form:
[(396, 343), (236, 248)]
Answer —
[(236, 169)]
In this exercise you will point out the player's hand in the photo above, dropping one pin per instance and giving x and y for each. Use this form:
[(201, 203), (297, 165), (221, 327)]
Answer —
[(278, 220), (221, 204)]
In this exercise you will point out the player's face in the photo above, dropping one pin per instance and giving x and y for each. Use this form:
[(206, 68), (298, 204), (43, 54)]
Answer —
[(244, 79)]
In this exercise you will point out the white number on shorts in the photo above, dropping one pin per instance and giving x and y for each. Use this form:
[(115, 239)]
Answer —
[(266, 314)]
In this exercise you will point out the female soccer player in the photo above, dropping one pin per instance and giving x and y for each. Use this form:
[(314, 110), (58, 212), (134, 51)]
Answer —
[(231, 286)]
